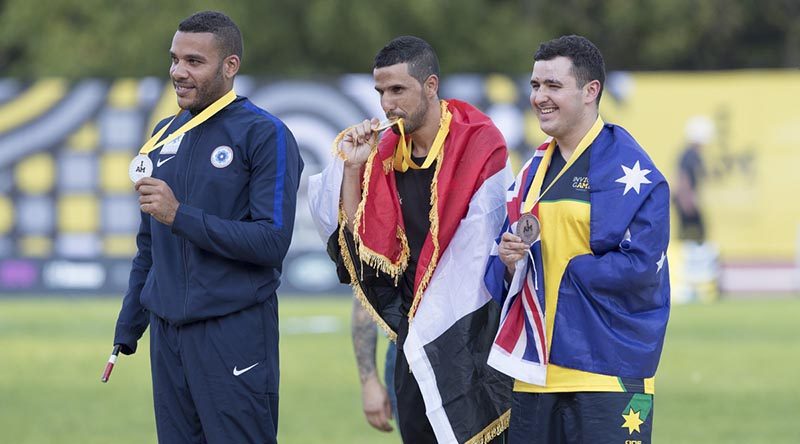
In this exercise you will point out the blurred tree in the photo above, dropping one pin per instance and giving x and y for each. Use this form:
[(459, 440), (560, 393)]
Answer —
[(784, 17), (320, 37)]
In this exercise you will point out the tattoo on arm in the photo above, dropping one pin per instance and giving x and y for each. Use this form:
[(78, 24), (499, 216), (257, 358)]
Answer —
[(365, 337), (351, 194)]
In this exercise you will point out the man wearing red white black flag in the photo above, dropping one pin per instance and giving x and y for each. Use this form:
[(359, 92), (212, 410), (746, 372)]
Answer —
[(409, 214)]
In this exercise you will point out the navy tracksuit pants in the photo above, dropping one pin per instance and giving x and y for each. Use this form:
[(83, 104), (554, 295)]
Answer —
[(216, 380)]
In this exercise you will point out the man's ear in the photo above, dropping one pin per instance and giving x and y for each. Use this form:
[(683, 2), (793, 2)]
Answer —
[(591, 91), (230, 66), (431, 86)]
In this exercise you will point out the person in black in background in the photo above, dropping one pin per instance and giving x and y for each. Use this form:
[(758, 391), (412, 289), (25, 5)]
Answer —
[(691, 172)]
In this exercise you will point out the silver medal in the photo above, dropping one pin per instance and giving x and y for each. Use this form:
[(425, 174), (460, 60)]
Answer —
[(528, 228), (141, 166)]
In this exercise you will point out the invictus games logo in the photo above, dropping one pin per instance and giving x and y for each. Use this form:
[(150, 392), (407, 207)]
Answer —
[(580, 183), (222, 156)]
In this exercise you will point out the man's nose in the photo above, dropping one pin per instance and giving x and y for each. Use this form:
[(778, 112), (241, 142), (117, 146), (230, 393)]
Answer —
[(388, 105), (177, 71), (537, 98)]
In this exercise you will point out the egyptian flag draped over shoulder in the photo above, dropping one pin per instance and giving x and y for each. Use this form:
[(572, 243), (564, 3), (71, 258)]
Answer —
[(452, 322), (473, 152), (613, 304)]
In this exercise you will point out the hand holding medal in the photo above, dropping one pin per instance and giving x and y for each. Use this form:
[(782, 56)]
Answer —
[(355, 144), (511, 250), (156, 199), (515, 246)]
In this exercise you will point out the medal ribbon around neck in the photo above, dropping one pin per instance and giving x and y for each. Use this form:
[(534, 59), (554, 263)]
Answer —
[(402, 155), (204, 115), (534, 196)]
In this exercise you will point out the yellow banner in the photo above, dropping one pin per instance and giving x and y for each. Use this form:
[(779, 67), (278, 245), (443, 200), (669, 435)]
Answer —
[(750, 195)]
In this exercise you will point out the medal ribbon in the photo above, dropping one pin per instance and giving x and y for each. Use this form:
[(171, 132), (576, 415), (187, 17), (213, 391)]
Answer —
[(402, 155), (204, 115), (538, 179)]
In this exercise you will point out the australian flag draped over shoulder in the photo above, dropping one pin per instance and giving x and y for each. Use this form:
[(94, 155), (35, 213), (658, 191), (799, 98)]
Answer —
[(613, 304)]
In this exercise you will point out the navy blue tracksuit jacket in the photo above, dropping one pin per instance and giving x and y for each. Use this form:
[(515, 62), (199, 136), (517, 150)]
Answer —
[(207, 284), (234, 224)]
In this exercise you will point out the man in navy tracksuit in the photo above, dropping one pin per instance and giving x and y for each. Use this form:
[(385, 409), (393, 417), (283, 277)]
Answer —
[(217, 218)]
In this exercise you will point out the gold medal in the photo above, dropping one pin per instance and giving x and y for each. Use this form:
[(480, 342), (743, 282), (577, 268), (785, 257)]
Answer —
[(528, 228), (141, 166), (386, 124)]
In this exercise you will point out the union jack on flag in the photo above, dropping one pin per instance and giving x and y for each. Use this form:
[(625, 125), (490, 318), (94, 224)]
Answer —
[(520, 346)]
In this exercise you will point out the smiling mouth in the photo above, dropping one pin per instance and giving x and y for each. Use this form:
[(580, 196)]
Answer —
[(544, 111), (182, 89)]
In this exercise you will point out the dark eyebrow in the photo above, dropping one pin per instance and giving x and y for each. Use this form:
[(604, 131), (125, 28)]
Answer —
[(396, 85), (189, 56), (548, 81)]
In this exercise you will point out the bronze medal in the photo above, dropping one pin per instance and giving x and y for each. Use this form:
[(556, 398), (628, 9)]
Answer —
[(528, 228)]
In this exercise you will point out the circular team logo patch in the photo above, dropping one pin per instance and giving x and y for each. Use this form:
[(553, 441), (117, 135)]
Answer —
[(222, 156)]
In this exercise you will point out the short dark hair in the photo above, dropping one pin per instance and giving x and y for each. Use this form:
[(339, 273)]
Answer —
[(420, 56), (587, 61), (229, 38)]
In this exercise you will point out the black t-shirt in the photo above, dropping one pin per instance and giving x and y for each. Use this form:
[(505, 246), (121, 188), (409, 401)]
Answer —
[(414, 189), (573, 184), (692, 165)]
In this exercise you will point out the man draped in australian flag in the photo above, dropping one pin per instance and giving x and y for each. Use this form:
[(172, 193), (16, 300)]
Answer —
[(580, 266), (409, 215)]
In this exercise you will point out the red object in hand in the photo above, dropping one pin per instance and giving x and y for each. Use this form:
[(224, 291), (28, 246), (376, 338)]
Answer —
[(110, 365)]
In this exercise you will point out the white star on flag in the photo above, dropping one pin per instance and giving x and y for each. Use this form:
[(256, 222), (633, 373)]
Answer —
[(660, 262), (633, 178)]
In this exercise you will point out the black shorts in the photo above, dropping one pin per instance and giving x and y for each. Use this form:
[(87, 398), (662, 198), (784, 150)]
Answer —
[(580, 418), (692, 227)]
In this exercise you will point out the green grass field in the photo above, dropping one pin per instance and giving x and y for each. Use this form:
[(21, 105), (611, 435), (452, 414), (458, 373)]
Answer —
[(730, 373)]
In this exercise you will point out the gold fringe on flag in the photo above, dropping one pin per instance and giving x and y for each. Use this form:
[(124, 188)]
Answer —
[(358, 293), (373, 258), (493, 430)]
